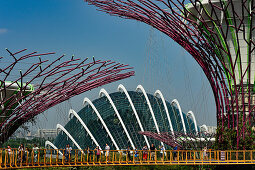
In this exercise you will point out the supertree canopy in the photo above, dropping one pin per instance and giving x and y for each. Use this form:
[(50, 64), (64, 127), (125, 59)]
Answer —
[(43, 81), (219, 36)]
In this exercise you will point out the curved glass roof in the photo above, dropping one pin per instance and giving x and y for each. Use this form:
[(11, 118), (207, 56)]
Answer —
[(105, 109)]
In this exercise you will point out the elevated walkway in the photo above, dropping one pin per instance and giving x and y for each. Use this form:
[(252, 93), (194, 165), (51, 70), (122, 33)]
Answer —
[(58, 158)]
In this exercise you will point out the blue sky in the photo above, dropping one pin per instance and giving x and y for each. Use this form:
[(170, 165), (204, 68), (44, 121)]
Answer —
[(73, 27)]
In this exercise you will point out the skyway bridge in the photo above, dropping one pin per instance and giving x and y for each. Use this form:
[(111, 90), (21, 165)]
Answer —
[(60, 158)]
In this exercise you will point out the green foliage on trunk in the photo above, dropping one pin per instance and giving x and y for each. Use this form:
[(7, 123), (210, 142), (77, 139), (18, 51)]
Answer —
[(226, 138)]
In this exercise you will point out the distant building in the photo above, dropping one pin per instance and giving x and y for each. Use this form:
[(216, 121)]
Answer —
[(46, 133), (29, 136), (22, 134), (211, 129)]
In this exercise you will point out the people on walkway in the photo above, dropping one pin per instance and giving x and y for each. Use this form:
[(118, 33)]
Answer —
[(175, 152), (153, 150), (21, 153), (26, 154), (88, 154), (107, 152), (98, 153), (128, 154), (136, 154), (23, 157), (10, 153), (68, 152), (162, 152), (145, 153), (35, 150), (205, 157)]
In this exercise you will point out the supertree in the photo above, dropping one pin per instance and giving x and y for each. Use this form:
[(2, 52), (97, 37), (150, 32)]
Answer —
[(219, 36), (44, 81)]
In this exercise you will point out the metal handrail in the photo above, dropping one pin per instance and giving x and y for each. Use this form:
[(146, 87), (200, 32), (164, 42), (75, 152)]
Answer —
[(53, 158)]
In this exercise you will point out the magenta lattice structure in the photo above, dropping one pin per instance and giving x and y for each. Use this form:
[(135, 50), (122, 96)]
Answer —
[(44, 81), (219, 35)]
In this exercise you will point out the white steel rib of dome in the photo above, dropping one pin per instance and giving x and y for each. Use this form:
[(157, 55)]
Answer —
[(190, 113), (158, 92), (140, 87), (103, 91), (59, 126), (53, 146), (204, 127), (180, 112), (72, 112), (86, 100), (121, 87)]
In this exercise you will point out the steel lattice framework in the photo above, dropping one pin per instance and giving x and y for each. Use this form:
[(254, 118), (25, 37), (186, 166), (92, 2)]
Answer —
[(219, 34), (45, 81)]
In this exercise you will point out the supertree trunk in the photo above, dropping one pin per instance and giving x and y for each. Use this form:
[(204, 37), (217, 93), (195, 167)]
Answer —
[(44, 81), (219, 36)]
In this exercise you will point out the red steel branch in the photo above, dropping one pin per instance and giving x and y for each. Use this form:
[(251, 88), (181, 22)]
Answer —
[(55, 79), (207, 44)]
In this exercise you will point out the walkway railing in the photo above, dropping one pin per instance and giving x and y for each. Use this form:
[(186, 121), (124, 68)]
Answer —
[(58, 158)]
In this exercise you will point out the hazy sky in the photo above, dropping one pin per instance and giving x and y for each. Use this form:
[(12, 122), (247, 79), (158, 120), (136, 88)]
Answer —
[(73, 27)]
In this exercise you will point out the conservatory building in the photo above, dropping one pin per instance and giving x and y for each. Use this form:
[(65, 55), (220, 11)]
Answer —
[(115, 119)]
